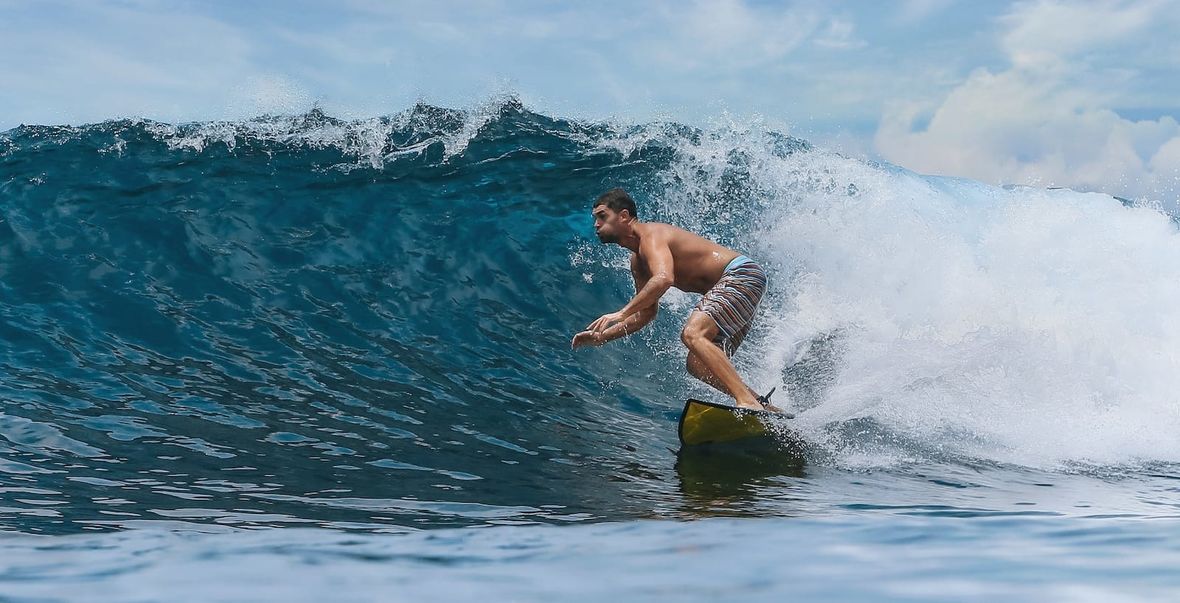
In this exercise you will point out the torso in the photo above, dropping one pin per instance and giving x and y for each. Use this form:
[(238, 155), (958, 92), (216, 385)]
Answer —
[(697, 262)]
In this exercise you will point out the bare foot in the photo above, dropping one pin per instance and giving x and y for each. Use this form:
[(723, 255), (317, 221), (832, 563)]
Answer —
[(749, 405)]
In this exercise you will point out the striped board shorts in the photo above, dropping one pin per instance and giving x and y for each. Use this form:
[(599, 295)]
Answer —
[(731, 303)]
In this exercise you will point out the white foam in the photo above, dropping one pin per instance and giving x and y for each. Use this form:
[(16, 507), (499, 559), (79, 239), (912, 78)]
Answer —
[(1023, 325), (365, 141)]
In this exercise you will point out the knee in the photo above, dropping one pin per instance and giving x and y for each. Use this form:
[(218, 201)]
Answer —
[(691, 336)]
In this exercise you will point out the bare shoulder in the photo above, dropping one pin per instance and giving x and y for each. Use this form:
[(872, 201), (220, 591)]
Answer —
[(662, 229), (677, 238), (660, 234)]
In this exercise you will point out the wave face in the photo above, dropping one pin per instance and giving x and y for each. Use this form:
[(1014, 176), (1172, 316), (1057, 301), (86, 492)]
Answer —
[(366, 323)]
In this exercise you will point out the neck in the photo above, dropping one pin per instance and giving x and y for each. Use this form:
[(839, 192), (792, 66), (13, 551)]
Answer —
[(631, 239)]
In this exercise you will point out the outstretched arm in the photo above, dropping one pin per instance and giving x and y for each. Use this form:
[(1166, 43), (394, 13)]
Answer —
[(632, 324), (658, 257), (629, 325)]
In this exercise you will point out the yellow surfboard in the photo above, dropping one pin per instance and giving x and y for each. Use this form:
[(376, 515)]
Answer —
[(712, 423)]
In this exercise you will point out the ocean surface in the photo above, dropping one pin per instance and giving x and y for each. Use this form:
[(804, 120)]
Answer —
[(301, 358)]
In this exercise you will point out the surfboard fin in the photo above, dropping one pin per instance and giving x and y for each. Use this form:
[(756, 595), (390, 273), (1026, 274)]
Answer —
[(764, 400)]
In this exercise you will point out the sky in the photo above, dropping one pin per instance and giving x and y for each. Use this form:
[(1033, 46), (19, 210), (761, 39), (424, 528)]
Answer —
[(1043, 92)]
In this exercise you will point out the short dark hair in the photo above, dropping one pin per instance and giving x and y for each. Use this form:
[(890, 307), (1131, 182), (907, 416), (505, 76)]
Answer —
[(617, 200)]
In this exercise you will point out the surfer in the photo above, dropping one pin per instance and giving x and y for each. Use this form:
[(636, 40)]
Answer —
[(664, 256)]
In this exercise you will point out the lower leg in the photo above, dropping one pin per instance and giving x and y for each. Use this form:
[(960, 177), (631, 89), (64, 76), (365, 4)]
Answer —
[(697, 369), (722, 370), (698, 335)]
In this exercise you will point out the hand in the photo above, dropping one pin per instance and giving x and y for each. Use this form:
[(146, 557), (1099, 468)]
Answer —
[(605, 321), (586, 338)]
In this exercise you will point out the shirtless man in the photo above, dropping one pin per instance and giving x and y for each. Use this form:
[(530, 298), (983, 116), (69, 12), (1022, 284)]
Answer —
[(664, 256)]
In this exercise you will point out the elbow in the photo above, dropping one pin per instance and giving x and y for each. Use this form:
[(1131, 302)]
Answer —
[(663, 281)]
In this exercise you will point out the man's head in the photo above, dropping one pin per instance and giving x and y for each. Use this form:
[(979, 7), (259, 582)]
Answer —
[(614, 213)]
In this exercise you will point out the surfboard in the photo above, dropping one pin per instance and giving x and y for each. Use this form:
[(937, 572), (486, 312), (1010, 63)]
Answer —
[(712, 423)]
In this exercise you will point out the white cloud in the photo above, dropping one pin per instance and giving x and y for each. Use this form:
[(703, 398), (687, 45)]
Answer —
[(727, 34), (1051, 31), (1167, 158), (839, 34), (1046, 120), (109, 61)]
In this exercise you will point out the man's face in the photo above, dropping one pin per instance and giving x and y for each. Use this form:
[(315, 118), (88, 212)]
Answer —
[(607, 223)]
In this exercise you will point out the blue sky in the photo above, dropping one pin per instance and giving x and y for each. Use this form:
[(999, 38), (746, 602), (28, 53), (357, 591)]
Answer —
[(1043, 92)]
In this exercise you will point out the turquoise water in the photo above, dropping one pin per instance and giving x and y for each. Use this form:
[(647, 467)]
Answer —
[(304, 358)]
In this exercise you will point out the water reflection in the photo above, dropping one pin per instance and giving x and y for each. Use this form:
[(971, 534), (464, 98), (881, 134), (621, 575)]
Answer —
[(730, 479)]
